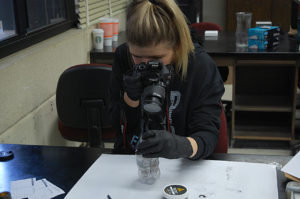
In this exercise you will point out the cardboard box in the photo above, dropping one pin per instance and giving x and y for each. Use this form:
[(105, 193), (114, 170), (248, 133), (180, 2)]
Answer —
[(263, 32), (263, 44)]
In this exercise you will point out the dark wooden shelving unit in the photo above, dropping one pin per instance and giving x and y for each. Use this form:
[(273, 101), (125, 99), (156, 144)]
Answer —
[(264, 100)]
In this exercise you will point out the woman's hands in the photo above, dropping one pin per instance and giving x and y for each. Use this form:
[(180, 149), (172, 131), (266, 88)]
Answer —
[(133, 88), (161, 143)]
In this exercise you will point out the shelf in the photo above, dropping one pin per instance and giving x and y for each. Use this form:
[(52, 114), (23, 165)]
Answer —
[(263, 103), (262, 125), (262, 132)]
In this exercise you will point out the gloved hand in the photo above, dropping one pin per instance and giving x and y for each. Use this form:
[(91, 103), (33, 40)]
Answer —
[(133, 85), (161, 143)]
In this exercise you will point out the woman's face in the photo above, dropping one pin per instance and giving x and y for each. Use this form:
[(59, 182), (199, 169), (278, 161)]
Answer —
[(161, 51)]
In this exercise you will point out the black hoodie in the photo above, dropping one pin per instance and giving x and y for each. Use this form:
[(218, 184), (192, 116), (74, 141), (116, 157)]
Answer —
[(194, 104)]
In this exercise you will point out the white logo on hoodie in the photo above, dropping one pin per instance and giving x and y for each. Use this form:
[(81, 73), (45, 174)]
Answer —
[(174, 99)]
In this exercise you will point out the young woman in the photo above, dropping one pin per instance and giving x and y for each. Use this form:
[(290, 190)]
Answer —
[(157, 30)]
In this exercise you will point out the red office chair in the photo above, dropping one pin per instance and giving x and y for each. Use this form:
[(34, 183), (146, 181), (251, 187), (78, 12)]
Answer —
[(82, 100), (222, 145), (202, 26)]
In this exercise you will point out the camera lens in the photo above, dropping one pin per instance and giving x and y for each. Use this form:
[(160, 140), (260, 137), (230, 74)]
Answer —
[(153, 98), (153, 105)]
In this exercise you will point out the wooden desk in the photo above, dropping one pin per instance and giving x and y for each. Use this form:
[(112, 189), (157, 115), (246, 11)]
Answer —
[(64, 166), (264, 85)]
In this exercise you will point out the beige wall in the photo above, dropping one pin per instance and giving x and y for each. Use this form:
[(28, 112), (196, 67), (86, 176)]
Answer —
[(28, 82), (215, 11)]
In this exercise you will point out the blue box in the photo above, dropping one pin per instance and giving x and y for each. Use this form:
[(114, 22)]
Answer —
[(262, 44), (263, 32)]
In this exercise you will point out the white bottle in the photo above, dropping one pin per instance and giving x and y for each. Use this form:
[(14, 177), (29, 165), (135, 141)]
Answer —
[(148, 169)]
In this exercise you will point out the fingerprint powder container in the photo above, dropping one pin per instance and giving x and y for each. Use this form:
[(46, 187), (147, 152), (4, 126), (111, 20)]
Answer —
[(175, 192)]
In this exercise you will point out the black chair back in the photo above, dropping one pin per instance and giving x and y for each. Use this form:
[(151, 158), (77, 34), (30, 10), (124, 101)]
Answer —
[(82, 99)]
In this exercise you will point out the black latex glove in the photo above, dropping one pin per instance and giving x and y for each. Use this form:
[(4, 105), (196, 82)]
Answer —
[(161, 143), (133, 85)]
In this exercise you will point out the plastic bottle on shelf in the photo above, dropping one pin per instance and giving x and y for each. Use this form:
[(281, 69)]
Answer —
[(243, 20), (148, 169)]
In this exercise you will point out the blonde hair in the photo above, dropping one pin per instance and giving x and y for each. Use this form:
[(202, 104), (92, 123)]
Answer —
[(151, 22)]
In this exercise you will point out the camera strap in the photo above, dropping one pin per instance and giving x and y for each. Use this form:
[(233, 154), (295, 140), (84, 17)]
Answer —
[(167, 107)]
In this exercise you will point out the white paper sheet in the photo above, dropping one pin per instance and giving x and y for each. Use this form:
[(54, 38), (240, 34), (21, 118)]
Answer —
[(22, 188), (116, 175), (293, 166), (34, 189)]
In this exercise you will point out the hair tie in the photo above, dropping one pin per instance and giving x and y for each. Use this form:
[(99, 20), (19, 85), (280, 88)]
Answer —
[(154, 2)]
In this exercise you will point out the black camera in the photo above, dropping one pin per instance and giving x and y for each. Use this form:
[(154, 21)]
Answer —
[(155, 78)]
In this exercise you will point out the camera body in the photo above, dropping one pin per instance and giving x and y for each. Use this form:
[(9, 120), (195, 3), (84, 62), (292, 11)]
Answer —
[(153, 73)]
